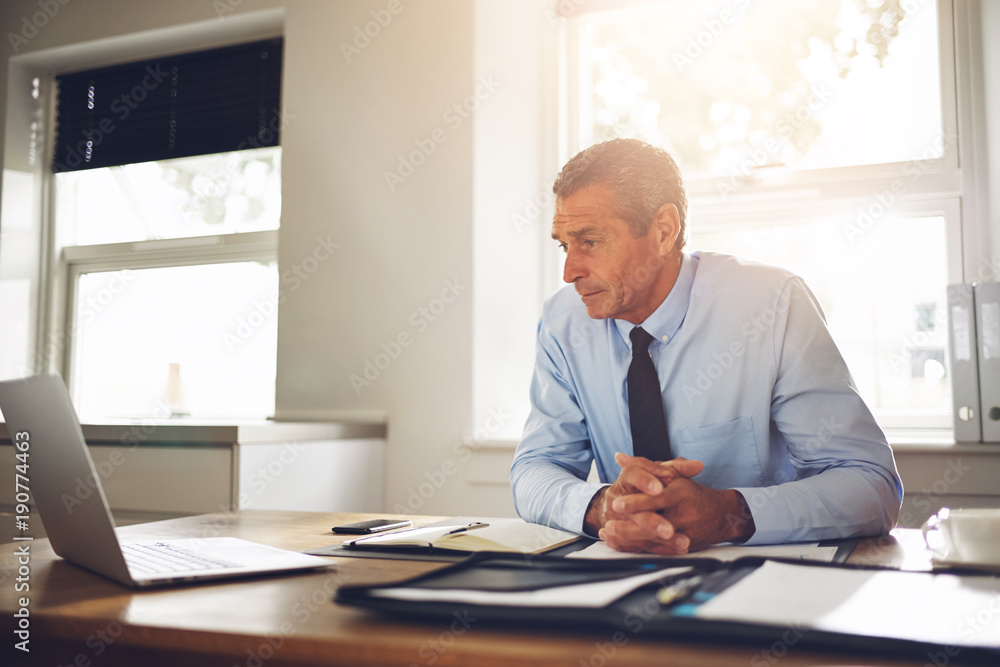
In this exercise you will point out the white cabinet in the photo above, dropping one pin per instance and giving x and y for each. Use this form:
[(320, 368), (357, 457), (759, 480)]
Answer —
[(159, 470)]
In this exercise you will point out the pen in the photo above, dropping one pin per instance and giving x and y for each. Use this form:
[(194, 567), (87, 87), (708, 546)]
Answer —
[(471, 526), (674, 592)]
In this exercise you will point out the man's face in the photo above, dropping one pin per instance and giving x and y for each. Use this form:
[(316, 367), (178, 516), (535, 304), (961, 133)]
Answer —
[(614, 273)]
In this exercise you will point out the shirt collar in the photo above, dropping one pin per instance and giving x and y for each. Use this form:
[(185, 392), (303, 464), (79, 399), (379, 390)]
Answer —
[(664, 322)]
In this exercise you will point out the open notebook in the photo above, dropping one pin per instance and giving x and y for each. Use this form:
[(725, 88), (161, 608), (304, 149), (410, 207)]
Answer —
[(508, 536)]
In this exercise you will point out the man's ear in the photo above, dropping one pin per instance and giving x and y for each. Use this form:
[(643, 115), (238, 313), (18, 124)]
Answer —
[(667, 225)]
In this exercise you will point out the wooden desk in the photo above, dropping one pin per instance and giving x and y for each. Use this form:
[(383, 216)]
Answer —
[(79, 618)]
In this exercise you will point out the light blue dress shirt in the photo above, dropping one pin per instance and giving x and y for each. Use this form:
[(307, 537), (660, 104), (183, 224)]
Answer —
[(753, 386)]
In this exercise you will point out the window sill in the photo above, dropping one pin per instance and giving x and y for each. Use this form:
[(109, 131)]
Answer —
[(936, 440), (909, 440), (214, 433)]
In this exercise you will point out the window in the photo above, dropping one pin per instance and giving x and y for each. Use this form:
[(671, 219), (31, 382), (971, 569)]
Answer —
[(167, 198), (710, 82), (820, 136)]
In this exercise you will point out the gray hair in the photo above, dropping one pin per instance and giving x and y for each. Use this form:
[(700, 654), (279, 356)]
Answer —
[(642, 178)]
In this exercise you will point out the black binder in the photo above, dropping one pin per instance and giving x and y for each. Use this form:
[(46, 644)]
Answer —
[(641, 612)]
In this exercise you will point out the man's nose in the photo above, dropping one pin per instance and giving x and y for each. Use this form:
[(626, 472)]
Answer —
[(574, 266)]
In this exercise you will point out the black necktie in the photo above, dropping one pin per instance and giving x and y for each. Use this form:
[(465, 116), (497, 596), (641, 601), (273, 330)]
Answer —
[(645, 404)]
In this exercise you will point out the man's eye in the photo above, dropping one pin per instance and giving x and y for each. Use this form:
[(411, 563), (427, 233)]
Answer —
[(589, 243), (563, 247)]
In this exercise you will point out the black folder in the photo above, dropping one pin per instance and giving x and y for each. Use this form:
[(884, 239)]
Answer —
[(667, 607)]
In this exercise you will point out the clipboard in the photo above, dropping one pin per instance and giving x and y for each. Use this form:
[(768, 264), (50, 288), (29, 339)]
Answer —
[(691, 585)]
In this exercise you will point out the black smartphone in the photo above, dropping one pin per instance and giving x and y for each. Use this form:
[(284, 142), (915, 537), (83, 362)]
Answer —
[(372, 526)]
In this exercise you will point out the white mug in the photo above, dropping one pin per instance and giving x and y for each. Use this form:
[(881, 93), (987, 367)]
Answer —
[(964, 535)]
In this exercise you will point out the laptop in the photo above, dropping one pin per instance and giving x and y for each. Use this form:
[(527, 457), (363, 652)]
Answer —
[(82, 531)]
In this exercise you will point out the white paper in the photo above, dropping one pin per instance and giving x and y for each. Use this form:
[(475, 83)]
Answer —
[(989, 314), (811, 551), (960, 335), (595, 595), (940, 608)]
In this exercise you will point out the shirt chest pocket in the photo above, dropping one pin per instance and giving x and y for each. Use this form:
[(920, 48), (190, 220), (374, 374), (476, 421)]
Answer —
[(728, 450)]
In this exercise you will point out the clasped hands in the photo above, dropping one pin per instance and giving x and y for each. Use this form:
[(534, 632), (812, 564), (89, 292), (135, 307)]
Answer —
[(655, 507)]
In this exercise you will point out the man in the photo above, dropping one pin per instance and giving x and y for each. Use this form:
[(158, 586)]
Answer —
[(766, 439)]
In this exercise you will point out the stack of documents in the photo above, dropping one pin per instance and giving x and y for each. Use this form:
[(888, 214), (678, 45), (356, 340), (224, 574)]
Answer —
[(834, 606), (811, 551)]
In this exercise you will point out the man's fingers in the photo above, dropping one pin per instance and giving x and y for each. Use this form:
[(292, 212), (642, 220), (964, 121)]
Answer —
[(624, 460), (651, 525), (644, 532), (640, 479), (663, 470), (682, 467), (647, 526), (638, 502)]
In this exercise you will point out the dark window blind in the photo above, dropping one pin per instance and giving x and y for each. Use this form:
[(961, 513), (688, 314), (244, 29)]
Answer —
[(189, 104)]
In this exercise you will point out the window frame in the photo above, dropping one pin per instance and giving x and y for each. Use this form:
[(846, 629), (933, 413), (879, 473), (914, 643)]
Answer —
[(60, 267), (774, 194), (75, 261), (772, 179)]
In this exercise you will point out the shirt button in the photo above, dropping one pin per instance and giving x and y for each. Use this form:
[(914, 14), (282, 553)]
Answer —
[(665, 338)]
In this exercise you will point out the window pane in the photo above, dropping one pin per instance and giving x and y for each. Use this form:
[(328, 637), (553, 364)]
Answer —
[(816, 83), (195, 196), (883, 292), (198, 340)]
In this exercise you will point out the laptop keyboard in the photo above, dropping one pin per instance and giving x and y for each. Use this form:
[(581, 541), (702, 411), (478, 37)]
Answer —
[(163, 558)]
